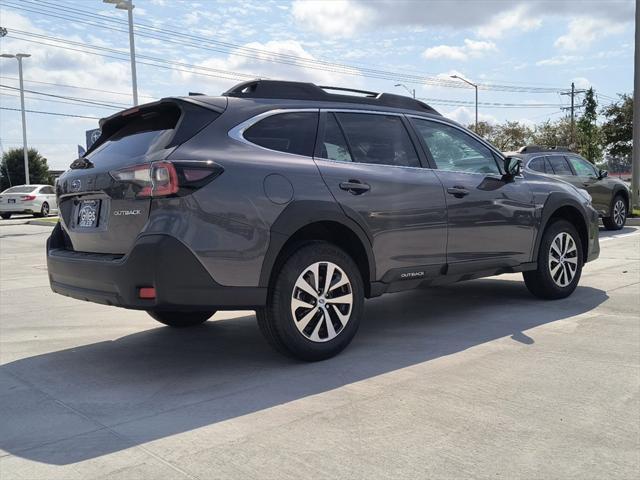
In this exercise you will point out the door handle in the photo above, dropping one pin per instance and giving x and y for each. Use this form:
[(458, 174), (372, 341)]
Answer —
[(457, 192), (355, 187)]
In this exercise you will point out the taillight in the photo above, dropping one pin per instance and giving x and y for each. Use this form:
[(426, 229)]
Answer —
[(28, 198), (161, 179)]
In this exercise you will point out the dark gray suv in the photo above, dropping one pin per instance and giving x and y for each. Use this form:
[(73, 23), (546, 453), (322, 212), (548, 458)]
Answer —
[(301, 201)]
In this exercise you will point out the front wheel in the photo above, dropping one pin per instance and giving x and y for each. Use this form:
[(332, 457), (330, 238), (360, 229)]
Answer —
[(559, 262), (180, 319), (315, 303), (618, 214)]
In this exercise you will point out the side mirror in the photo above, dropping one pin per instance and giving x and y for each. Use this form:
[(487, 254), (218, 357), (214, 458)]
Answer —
[(512, 166), (602, 173)]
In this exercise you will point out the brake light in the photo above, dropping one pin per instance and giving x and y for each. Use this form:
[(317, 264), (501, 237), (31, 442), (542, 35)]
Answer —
[(157, 179), (28, 197), (161, 179)]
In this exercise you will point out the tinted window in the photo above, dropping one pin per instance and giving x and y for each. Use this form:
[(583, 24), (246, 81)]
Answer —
[(452, 149), (537, 164), (582, 167), (142, 134), (379, 139), (559, 165), (286, 132), (334, 145), (47, 190)]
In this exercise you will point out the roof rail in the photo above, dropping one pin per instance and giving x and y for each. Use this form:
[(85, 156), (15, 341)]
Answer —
[(309, 91), (538, 149)]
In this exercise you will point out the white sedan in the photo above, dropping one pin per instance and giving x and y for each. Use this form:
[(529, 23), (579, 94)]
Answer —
[(40, 200)]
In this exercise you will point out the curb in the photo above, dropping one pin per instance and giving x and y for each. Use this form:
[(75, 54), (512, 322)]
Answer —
[(42, 223), (633, 222)]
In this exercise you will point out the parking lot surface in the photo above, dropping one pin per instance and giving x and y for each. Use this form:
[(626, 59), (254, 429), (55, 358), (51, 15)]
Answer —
[(474, 380)]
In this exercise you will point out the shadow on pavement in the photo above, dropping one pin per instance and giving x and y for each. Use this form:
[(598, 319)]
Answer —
[(71, 405)]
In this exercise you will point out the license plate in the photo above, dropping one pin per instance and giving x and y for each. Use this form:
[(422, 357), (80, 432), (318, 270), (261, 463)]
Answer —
[(11, 200), (88, 213)]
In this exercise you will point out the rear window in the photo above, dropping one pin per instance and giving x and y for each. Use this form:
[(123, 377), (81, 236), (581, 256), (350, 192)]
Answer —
[(20, 189), (537, 164), (293, 132), (139, 136)]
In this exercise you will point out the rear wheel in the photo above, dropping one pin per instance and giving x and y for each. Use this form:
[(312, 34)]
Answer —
[(559, 262), (44, 210), (315, 303), (618, 214), (5, 216), (180, 319)]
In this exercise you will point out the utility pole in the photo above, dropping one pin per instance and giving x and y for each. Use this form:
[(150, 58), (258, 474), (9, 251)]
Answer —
[(19, 57), (635, 156), (129, 6), (573, 94)]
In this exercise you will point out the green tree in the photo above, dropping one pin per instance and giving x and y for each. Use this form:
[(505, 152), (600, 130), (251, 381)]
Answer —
[(617, 130), (510, 136), (553, 134), (587, 129), (12, 168)]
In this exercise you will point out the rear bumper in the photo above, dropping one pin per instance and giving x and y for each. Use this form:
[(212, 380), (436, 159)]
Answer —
[(159, 261)]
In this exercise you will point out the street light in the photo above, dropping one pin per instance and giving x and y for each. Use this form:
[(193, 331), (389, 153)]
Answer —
[(476, 87), (411, 91), (129, 6), (19, 57)]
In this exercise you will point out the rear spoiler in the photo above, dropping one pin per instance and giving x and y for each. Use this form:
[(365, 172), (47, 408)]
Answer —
[(187, 126)]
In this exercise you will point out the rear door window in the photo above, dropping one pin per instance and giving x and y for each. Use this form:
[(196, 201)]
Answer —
[(378, 139), (560, 165), (334, 145), (293, 132)]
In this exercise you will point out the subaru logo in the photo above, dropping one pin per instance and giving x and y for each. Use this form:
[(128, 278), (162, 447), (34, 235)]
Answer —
[(76, 185)]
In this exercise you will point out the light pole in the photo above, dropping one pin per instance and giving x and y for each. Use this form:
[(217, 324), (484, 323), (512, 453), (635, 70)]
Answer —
[(412, 91), (129, 6), (19, 57), (474, 86)]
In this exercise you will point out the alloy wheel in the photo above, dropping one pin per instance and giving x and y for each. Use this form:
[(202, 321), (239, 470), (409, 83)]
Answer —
[(563, 259), (619, 212), (322, 301)]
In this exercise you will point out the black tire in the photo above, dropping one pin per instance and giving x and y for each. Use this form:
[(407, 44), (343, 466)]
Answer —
[(180, 319), (540, 282), (5, 216), (618, 217), (277, 322), (44, 210)]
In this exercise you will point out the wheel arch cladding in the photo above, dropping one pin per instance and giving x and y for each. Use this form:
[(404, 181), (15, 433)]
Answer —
[(620, 190), (305, 221), (561, 207)]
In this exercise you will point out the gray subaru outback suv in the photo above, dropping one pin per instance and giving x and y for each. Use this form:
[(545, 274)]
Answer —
[(300, 201)]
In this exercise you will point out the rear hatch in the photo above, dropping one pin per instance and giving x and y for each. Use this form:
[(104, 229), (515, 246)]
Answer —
[(105, 197)]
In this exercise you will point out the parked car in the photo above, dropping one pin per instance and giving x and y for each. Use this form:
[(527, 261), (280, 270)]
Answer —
[(300, 202), (39, 200), (610, 195)]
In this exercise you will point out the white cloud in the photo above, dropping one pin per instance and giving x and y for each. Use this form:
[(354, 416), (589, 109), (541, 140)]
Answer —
[(346, 17), (558, 60), (467, 116), (582, 83), (583, 31), (519, 18), (339, 18), (471, 48)]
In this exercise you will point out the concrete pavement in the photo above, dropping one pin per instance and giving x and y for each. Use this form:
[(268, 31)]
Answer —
[(475, 380)]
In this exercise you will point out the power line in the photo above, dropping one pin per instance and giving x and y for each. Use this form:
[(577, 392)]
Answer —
[(39, 99), (150, 31), (66, 85), (51, 113), (91, 102)]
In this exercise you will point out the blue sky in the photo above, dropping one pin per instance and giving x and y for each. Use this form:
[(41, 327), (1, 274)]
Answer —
[(532, 48)]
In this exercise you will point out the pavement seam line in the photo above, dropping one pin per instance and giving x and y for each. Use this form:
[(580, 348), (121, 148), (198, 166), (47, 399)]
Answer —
[(105, 427)]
